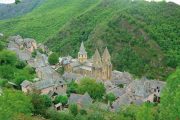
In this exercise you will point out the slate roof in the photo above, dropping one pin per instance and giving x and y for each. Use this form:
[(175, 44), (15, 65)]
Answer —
[(121, 101), (121, 77), (23, 54), (85, 66), (143, 88), (71, 76), (42, 84), (83, 100), (48, 73), (117, 92)]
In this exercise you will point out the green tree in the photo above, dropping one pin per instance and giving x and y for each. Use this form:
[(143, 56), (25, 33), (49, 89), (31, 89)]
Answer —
[(17, 1), (7, 57), (95, 90), (72, 88), (34, 53), (73, 108), (56, 115), (110, 97), (47, 100), (20, 64), (53, 59), (38, 103), (61, 99), (96, 116), (170, 99), (145, 112), (14, 102)]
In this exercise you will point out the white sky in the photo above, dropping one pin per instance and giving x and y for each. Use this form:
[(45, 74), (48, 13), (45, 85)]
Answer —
[(12, 1), (7, 1)]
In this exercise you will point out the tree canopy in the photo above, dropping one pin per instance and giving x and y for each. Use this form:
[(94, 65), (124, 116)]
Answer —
[(14, 102), (95, 90), (53, 59)]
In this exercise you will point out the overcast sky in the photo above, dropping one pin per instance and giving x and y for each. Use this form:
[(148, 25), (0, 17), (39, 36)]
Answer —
[(11, 1)]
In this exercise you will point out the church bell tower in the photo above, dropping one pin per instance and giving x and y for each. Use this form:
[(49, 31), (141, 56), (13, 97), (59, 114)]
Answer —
[(82, 54)]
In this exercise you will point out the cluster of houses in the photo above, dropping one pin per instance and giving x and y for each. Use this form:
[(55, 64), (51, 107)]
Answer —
[(49, 82)]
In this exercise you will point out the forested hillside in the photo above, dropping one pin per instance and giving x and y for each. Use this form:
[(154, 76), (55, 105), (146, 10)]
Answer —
[(47, 19), (143, 37), (14, 10)]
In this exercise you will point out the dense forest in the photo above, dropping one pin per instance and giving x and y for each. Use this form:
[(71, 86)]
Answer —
[(142, 36)]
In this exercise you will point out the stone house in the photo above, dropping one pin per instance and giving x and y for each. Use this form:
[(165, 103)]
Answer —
[(82, 101), (45, 86), (26, 86), (30, 44)]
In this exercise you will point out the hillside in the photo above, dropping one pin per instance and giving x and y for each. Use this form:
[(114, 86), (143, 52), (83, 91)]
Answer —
[(13, 10), (142, 37), (47, 19)]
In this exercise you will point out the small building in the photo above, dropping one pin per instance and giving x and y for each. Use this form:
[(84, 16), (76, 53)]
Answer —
[(30, 44), (26, 86), (45, 86), (22, 47), (83, 101), (69, 77), (58, 106)]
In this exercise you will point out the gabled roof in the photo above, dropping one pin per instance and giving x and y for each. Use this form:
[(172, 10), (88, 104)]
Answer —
[(48, 83), (82, 49), (83, 100)]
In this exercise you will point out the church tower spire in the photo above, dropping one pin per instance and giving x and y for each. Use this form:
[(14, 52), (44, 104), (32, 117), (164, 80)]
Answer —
[(107, 65), (97, 65), (106, 56), (97, 59), (82, 54)]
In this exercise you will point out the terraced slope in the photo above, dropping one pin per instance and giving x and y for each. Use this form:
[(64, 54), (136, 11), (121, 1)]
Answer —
[(143, 37)]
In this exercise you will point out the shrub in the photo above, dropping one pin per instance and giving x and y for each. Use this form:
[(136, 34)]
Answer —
[(20, 64), (61, 99), (73, 109), (53, 59)]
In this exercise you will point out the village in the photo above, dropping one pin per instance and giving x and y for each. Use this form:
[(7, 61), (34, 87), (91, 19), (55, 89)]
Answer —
[(48, 81)]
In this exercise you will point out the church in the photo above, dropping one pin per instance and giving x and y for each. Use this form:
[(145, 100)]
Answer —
[(97, 67)]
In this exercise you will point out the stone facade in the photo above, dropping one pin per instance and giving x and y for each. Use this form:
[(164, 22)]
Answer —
[(98, 67)]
